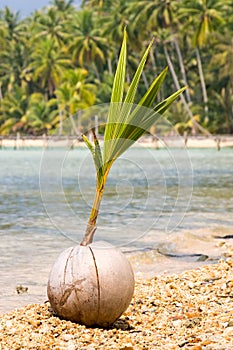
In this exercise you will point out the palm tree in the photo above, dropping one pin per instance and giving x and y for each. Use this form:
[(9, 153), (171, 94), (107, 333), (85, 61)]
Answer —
[(51, 25), (222, 65), (222, 102), (40, 117), (87, 46), (14, 49), (13, 108), (37, 50), (115, 19), (164, 37), (3, 31), (223, 57), (11, 21), (157, 15), (74, 94), (63, 6), (47, 66), (202, 17), (101, 6), (104, 88)]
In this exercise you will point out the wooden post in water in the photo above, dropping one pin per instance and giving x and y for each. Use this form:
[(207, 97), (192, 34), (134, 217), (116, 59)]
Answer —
[(218, 140), (17, 141), (44, 141), (96, 126)]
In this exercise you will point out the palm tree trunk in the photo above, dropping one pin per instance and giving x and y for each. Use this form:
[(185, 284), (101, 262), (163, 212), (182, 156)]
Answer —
[(177, 85), (73, 124), (96, 72), (60, 117), (109, 61), (229, 106), (145, 80), (60, 122), (152, 57), (182, 68), (202, 80), (1, 96)]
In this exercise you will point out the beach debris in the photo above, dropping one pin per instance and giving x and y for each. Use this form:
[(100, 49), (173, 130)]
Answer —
[(20, 289)]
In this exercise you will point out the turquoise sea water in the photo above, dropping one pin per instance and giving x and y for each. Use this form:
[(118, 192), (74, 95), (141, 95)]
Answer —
[(156, 203)]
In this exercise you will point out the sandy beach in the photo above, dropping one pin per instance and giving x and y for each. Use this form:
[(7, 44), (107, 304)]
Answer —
[(217, 142), (190, 310)]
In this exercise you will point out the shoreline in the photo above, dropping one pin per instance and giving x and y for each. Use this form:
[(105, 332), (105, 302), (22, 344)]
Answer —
[(25, 142), (174, 255), (189, 310)]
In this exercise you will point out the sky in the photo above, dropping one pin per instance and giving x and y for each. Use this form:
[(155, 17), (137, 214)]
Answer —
[(26, 7)]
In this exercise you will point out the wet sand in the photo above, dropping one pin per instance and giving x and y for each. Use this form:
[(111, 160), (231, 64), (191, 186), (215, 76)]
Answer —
[(177, 253)]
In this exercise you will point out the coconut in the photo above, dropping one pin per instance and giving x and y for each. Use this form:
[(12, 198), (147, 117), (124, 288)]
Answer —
[(91, 285)]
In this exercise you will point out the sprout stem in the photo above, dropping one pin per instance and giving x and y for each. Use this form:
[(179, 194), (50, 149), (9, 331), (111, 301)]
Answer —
[(91, 225)]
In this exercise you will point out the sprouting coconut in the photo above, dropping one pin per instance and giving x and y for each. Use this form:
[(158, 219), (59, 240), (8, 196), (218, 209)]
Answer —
[(93, 283)]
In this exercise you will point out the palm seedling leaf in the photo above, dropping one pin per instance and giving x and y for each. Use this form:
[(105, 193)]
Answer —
[(117, 93), (127, 121)]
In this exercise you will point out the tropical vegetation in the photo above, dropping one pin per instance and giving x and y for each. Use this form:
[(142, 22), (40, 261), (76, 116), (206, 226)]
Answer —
[(62, 59)]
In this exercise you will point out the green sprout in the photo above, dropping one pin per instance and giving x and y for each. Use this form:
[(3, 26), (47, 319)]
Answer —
[(125, 125)]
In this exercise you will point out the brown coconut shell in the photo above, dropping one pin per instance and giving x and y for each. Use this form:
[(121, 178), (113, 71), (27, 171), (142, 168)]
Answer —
[(91, 285)]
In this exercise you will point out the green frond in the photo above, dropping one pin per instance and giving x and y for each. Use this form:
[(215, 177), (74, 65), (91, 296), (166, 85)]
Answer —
[(149, 97), (89, 144), (98, 160), (129, 98), (127, 121), (117, 92), (165, 104), (96, 155)]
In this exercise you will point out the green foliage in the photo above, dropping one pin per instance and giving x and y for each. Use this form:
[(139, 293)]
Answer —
[(127, 122), (40, 116), (37, 53)]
